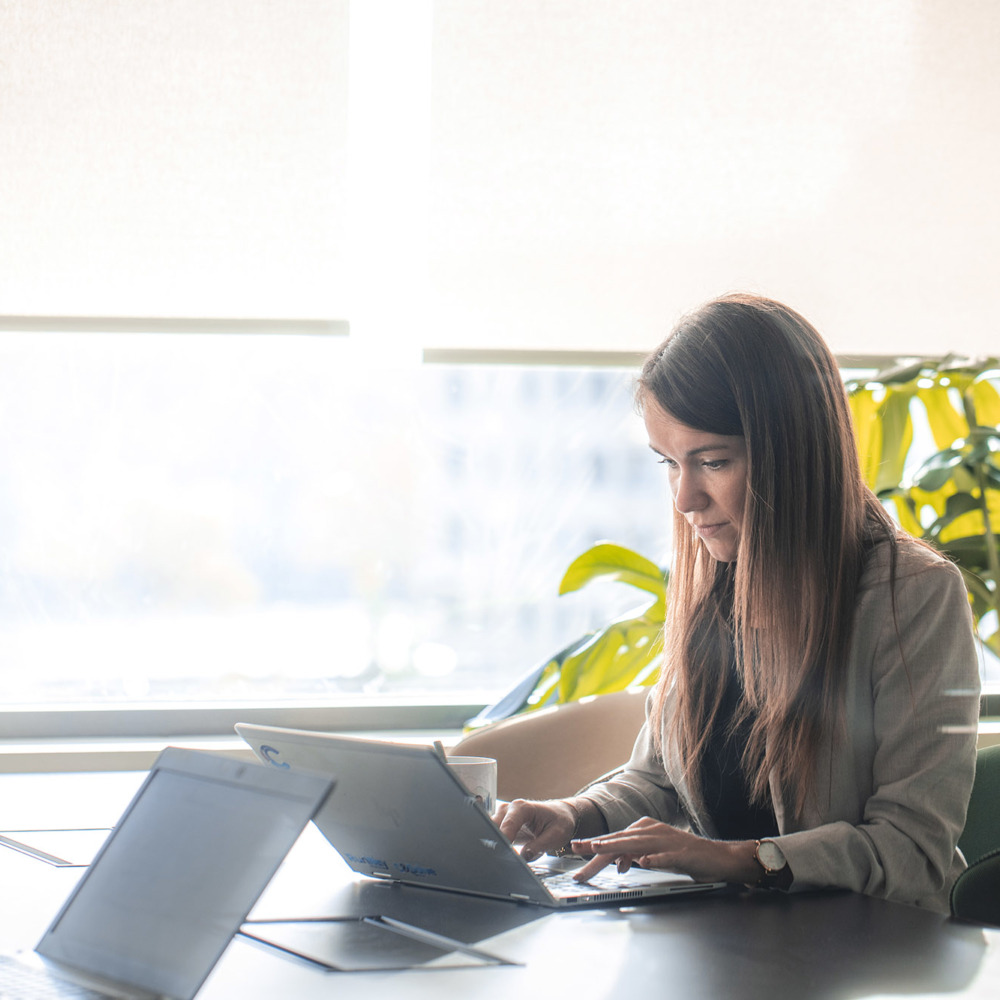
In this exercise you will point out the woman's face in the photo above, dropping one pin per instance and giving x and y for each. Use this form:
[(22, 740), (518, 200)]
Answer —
[(708, 478)]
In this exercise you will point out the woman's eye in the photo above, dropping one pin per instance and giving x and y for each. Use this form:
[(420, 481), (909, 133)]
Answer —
[(714, 464), (669, 462)]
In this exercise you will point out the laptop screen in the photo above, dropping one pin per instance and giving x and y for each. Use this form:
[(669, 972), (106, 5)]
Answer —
[(178, 876)]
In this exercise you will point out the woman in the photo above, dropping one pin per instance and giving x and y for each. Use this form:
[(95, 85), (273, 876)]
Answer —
[(815, 720)]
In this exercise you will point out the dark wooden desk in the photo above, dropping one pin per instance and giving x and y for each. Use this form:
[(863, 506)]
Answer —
[(739, 944)]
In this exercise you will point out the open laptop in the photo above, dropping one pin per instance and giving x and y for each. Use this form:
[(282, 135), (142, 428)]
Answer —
[(173, 882), (401, 815)]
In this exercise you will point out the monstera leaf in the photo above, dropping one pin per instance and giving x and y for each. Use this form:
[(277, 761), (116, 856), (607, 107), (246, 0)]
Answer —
[(625, 653), (952, 500)]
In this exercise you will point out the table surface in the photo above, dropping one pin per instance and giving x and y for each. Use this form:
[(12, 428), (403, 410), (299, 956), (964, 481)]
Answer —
[(732, 944)]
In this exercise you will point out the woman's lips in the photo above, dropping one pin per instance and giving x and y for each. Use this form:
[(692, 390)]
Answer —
[(708, 530)]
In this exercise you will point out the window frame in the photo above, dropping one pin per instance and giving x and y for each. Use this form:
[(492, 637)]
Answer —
[(200, 719), (343, 714)]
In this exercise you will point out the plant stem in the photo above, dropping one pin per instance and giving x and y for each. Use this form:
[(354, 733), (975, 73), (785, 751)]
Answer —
[(969, 406), (991, 545)]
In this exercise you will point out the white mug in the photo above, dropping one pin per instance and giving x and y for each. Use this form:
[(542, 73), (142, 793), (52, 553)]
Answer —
[(479, 776)]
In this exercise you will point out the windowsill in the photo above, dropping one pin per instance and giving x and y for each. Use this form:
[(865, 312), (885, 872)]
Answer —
[(87, 724), (130, 754), (989, 733)]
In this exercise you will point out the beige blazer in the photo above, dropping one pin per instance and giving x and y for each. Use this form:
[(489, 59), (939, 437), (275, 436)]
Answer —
[(891, 798)]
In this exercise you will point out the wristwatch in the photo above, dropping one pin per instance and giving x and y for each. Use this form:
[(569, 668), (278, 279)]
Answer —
[(770, 858)]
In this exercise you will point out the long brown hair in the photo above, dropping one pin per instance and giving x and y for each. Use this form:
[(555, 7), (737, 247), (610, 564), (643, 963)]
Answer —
[(750, 366)]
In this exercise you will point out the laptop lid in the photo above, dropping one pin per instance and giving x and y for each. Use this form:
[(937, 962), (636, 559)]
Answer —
[(180, 871), (401, 814)]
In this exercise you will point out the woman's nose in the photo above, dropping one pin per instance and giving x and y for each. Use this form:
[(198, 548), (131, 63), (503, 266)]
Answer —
[(688, 497)]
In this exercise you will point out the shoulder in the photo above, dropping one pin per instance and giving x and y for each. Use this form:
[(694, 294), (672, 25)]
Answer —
[(917, 564), (923, 624), (928, 605)]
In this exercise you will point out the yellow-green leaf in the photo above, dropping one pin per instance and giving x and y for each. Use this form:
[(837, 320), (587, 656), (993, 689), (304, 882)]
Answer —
[(593, 658), (947, 424), (905, 517), (637, 647), (897, 436), (542, 691), (972, 523), (987, 403), (868, 431), (607, 561), (612, 662), (938, 499)]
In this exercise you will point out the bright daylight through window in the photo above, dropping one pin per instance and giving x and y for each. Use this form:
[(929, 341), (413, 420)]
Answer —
[(198, 518), (211, 518)]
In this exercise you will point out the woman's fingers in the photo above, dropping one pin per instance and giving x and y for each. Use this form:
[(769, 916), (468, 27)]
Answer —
[(656, 862), (622, 861), (513, 816), (646, 842), (647, 821), (538, 826), (653, 844), (593, 866), (542, 826), (625, 842)]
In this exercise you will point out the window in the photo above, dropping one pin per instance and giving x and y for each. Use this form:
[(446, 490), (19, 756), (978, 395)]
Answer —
[(228, 517), (263, 518)]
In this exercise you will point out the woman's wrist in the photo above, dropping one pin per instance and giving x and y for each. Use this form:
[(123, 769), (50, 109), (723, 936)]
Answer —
[(744, 866), (588, 821)]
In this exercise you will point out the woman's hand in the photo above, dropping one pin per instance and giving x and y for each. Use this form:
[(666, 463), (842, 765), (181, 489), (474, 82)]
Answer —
[(652, 844), (539, 826)]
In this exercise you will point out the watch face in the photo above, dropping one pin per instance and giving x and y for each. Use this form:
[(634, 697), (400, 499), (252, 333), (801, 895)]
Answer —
[(770, 855)]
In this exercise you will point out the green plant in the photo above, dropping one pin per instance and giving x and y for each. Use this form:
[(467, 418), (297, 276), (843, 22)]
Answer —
[(625, 653), (952, 500)]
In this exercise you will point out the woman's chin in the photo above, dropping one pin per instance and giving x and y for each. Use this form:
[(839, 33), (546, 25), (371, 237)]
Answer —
[(720, 551)]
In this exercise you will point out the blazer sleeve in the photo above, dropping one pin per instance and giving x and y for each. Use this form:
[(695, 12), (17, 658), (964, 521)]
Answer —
[(924, 686), (640, 788)]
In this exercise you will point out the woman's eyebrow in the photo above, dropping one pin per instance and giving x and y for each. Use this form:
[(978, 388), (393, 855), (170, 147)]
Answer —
[(693, 451)]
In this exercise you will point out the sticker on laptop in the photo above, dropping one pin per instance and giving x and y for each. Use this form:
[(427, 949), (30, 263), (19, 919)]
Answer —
[(271, 756)]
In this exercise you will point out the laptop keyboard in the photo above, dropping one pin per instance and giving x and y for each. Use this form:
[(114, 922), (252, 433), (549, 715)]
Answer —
[(563, 883), (24, 982)]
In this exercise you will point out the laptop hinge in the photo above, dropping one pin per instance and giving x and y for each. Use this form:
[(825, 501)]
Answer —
[(518, 895), (380, 875)]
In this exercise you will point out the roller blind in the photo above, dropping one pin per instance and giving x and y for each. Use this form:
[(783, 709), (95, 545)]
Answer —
[(173, 157), (545, 174), (597, 167)]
